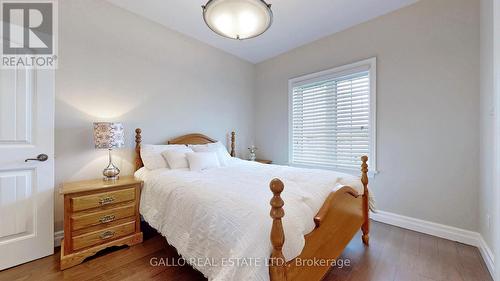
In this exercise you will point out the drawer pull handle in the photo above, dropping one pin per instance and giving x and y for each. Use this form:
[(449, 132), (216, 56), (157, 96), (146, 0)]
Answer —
[(107, 234), (106, 200), (107, 218)]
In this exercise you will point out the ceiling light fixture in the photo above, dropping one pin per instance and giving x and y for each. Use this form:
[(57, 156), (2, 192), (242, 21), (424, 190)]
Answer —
[(238, 19)]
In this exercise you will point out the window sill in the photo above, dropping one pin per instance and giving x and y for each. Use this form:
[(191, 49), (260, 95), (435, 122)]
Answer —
[(354, 172)]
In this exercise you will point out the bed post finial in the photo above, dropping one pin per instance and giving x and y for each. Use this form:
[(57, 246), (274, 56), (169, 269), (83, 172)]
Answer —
[(365, 228), (233, 138), (138, 140), (277, 269)]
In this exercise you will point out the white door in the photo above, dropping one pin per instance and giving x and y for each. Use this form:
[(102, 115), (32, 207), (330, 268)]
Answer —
[(26, 188)]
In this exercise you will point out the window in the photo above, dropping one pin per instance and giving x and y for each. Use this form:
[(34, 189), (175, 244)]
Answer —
[(332, 117)]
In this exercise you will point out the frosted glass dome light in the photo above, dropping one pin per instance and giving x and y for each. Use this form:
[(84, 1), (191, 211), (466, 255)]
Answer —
[(238, 19)]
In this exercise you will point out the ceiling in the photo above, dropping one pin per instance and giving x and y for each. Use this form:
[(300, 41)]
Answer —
[(296, 22)]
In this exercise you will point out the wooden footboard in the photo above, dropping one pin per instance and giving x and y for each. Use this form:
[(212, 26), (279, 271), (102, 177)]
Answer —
[(339, 219)]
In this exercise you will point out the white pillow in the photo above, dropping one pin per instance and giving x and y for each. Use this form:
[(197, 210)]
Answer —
[(222, 155), (176, 158), (151, 155), (202, 160)]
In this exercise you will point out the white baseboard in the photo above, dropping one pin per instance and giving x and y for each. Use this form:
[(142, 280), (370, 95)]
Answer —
[(439, 230), (487, 255), (58, 236), (431, 228)]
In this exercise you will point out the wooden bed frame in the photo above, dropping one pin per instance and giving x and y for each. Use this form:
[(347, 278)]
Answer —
[(337, 222)]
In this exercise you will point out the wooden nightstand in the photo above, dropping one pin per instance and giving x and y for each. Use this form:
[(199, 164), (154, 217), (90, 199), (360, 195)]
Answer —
[(99, 214), (264, 161)]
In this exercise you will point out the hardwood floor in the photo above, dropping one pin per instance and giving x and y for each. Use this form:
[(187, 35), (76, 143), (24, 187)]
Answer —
[(394, 255)]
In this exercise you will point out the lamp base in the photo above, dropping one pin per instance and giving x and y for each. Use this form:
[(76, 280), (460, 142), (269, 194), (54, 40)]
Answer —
[(111, 178), (111, 172)]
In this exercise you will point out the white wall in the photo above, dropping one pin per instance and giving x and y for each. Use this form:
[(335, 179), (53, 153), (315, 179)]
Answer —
[(115, 65), (487, 153), (496, 72), (428, 105)]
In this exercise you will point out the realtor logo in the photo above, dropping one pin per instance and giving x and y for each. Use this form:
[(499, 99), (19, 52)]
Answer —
[(28, 34)]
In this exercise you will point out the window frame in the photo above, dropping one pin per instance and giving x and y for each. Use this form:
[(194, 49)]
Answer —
[(369, 65)]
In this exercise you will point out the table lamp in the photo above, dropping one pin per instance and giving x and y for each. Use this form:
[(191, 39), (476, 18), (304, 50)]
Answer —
[(109, 135)]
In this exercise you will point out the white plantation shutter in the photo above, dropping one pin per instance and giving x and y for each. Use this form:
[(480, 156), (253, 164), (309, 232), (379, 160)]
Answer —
[(331, 120)]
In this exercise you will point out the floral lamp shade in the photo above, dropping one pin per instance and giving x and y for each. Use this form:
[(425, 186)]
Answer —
[(108, 135)]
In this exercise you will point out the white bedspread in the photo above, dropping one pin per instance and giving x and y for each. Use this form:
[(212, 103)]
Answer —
[(221, 215)]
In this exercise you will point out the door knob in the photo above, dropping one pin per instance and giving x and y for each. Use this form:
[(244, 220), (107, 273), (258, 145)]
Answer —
[(40, 157)]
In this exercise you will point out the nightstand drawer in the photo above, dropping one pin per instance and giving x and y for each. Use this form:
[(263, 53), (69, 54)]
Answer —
[(102, 199), (86, 219), (102, 236)]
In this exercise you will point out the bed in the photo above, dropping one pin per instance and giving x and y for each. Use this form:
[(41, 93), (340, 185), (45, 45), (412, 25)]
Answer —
[(220, 214)]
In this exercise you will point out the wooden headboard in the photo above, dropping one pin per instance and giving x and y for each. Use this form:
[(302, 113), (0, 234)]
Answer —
[(186, 140)]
